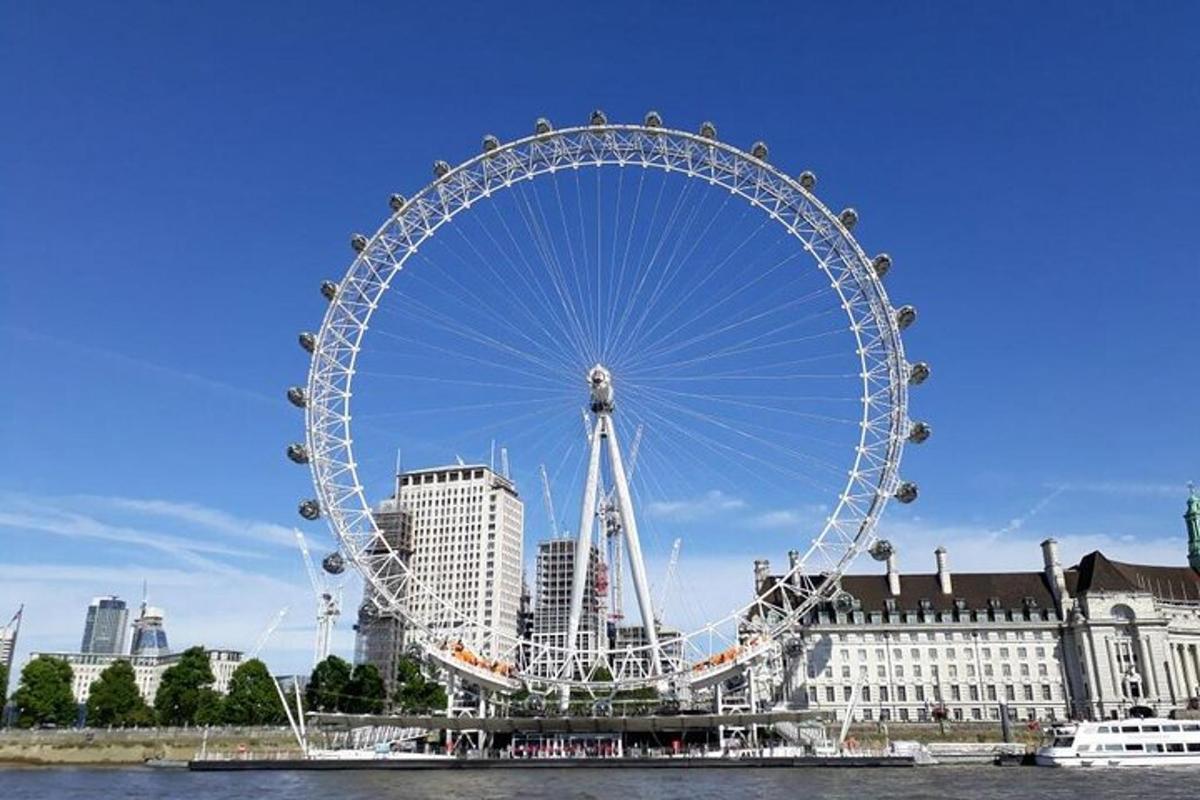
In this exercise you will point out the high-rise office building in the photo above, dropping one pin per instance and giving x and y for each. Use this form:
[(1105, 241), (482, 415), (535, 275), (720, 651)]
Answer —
[(149, 635), (467, 537), (552, 608), (380, 633), (104, 628)]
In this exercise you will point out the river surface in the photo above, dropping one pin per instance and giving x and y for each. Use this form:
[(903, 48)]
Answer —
[(943, 783)]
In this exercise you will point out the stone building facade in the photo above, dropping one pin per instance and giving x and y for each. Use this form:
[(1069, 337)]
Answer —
[(1088, 641)]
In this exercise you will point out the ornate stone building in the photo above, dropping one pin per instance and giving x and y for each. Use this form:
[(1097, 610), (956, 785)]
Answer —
[(1087, 641)]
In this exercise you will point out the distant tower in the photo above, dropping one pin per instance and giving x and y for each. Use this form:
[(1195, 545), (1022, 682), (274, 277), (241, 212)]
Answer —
[(8, 648), (104, 627), (1192, 518), (149, 636)]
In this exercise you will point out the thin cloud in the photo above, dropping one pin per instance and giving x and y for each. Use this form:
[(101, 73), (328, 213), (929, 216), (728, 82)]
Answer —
[(79, 526), (212, 519), (789, 518), (191, 378), (711, 502), (1127, 488)]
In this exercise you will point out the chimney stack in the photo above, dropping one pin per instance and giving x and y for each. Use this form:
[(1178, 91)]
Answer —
[(893, 575), (762, 568), (1054, 573), (943, 571), (793, 563)]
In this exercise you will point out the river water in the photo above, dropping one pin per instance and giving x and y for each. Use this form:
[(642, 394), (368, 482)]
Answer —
[(943, 783)]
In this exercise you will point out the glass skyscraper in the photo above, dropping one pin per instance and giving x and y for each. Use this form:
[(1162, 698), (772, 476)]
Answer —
[(104, 628)]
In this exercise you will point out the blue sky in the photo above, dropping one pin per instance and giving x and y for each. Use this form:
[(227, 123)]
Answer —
[(177, 181)]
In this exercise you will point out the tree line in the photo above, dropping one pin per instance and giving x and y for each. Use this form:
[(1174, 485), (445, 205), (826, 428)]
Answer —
[(186, 695)]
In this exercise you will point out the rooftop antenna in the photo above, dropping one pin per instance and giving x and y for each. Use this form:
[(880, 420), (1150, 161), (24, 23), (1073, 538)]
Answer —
[(504, 461), (492, 460)]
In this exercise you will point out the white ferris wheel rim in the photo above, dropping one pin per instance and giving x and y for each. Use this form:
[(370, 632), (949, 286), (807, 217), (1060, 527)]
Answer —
[(871, 481)]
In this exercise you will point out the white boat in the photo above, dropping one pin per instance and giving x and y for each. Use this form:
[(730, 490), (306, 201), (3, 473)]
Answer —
[(1148, 742)]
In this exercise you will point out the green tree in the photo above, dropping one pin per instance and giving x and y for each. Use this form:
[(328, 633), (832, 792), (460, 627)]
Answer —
[(252, 697), (181, 691), (210, 707), (415, 693), (327, 685), (44, 696), (114, 699), (365, 694)]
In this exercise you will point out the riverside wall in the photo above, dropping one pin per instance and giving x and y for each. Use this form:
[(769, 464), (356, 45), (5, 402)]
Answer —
[(134, 746)]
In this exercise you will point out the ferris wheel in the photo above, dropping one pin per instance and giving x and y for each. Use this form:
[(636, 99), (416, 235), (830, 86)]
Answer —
[(731, 350)]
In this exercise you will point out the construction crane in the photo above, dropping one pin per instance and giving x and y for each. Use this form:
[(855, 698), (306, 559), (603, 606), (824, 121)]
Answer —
[(672, 563), (548, 500), (329, 603), (267, 632)]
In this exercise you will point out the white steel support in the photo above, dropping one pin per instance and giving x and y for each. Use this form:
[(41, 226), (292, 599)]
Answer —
[(629, 529), (604, 431), (583, 546)]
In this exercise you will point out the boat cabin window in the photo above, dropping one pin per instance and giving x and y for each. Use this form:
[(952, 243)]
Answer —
[(1193, 747), (1154, 748), (1192, 726), (1063, 741), (1113, 747), (1170, 728), (1145, 728), (1103, 729), (1133, 747), (1174, 747), (1129, 729)]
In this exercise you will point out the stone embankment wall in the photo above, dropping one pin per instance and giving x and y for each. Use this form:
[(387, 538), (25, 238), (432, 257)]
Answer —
[(101, 746)]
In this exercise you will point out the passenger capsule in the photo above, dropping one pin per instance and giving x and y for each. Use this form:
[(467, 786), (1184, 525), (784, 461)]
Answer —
[(907, 492), (329, 290), (490, 143), (334, 563), (602, 708), (881, 550), (808, 180), (396, 202), (882, 263), (308, 341), (358, 242), (918, 373), (905, 316), (297, 453), (708, 130), (849, 218), (919, 432), (297, 396), (535, 704), (598, 118), (653, 119), (440, 168), (843, 601), (310, 509), (542, 126), (759, 150)]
